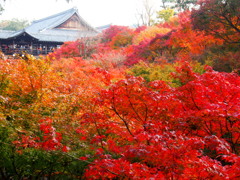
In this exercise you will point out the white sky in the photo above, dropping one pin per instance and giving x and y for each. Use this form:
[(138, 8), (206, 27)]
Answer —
[(95, 12)]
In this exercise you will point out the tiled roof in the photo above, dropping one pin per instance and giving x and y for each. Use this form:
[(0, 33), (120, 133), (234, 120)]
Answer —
[(59, 35), (102, 28), (5, 34), (44, 29)]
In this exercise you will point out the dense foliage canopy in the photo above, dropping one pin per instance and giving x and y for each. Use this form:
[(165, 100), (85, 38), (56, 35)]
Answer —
[(13, 25), (160, 102)]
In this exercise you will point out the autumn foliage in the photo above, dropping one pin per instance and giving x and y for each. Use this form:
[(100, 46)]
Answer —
[(130, 104)]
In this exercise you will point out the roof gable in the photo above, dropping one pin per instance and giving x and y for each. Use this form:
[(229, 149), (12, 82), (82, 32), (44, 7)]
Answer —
[(61, 27), (74, 22), (69, 19)]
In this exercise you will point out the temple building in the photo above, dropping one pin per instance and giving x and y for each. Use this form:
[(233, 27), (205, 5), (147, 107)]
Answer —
[(46, 34)]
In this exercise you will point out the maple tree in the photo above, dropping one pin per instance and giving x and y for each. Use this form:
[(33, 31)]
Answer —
[(149, 122), (148, 33), (119, 127), (112, 31), (164, 71), (220, 18), (80, 48), (129, 104), (122, 39), (33, 89)]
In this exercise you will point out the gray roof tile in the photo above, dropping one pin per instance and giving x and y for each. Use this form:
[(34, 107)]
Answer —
[(5, 34), (43, 29)]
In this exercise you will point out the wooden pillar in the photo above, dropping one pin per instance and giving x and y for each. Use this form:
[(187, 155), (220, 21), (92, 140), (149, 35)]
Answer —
[(46, 47), (31, 48), (13, 49)]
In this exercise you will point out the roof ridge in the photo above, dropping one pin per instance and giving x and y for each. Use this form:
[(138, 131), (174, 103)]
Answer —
[(55, 15)]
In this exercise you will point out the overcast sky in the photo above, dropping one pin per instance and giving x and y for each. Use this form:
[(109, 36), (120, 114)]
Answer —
[(95, 12)]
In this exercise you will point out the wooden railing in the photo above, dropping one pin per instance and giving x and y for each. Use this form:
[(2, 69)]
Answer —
[(11, 51)]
